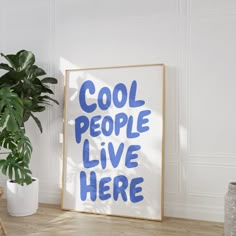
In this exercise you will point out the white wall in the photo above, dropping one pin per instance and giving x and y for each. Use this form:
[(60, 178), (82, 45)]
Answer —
[(196, 39)]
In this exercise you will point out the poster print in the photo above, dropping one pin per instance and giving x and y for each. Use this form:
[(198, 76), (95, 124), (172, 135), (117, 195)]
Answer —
[(113, 141)]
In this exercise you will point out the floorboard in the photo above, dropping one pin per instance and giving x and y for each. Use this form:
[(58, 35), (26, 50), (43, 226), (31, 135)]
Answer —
[(51, 220)]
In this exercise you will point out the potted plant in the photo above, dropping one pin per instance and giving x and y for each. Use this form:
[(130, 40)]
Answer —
[(23, 92)]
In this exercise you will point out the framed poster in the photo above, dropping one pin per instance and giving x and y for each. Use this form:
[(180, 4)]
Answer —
[(114, 141)]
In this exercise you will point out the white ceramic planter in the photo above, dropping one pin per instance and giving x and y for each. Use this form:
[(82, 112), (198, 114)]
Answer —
[(22, 200)]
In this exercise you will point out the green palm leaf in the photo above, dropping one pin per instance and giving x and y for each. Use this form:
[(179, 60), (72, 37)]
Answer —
[(22, 92), (11, 110)]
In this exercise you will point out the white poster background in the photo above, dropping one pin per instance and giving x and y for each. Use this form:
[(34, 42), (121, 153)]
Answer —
[(150, 84)]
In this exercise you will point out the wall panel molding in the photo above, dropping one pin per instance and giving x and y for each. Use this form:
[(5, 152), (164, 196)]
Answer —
[(192, 211), (172, 178), (205, 8), (214, 185), (198, 27)]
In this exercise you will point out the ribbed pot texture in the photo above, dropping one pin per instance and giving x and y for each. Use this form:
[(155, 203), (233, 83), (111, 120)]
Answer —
[(230, 211)]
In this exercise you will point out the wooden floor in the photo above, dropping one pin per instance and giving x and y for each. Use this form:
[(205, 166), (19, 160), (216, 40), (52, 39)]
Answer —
[(50, 220)]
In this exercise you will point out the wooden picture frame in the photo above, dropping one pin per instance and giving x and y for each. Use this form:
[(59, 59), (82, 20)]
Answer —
[(113, 145)]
